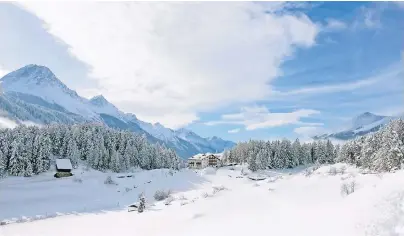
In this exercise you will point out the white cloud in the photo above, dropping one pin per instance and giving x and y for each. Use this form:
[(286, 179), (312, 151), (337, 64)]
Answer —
[(7, 123), (390, 73), (331, 88), (368, 18), (335, 25), (168, 61), (233, 131), (258, 117), (309, 131)]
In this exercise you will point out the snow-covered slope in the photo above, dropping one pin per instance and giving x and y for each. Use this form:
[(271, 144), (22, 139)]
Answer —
[(366, 119), (199, 142), (361, 125), (34, 93), (218, 143), (101, 105), (287, 203), (159, 131), (41, 82)]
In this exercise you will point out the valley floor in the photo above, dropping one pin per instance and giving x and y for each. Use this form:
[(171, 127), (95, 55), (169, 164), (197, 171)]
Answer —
[(285, 203)]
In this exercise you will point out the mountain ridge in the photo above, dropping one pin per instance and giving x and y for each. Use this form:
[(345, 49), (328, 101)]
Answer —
[(34, 93), (362, 124)]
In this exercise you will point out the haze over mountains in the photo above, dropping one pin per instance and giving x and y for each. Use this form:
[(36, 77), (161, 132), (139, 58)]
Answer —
[(33, 93)]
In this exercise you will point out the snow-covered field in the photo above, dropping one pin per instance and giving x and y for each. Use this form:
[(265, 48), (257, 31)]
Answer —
[(42, 196), (294, 202)]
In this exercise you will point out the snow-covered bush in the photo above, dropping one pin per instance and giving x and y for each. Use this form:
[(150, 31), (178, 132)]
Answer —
[(316, 166), (205, 195), (142, 203), (160, 195), (308, 172), (348, 188), (274, 178), (184, 203), (128, 189), (244, 172), (182, 197), (217, 189), (109, 180), (332, 170), (342, 170), (77, 180), (169, 200), (171, 172)]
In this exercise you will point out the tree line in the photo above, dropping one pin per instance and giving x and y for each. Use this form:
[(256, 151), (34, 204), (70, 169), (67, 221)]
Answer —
[(25, 151), (280, 154), (379, 151)]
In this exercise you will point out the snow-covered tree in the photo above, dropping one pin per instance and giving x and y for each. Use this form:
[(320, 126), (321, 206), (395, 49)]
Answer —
[(252, 161), (3, 164), (72, 152), (329, 152), (391, 154), (28, 150), (297, 153)]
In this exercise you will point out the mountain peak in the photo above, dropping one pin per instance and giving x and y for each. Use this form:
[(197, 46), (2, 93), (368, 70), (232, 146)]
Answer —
[(365, 118), (31, 72), (366, 114), (99, 100), (33, 75)]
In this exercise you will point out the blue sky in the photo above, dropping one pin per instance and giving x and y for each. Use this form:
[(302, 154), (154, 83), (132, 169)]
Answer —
[(262, 70)]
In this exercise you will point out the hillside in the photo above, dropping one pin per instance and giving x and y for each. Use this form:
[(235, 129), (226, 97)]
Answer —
[(33, 93)]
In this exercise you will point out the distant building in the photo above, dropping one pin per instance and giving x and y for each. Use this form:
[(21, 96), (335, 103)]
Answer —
[(63, 165), (201, 161), (215, 160)]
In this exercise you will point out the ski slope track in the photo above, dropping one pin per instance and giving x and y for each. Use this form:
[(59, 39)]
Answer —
[(209, 202)]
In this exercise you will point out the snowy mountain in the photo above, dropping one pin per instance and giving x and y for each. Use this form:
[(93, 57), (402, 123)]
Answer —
[(39, 81), (218, 143), (366, 119), (33, 93), (361, 125)]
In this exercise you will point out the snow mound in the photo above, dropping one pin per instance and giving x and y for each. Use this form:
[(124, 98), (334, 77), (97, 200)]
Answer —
[(209, 171)]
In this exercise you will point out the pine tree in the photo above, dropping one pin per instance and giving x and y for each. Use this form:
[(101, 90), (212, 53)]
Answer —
[(329, 150), (297, 154), (44, 152), (16, 165), (72, 152), (3, 164), (28, 169), (252, 161), (286, 154)]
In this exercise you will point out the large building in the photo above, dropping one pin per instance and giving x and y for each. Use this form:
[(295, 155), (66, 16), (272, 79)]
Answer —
[(201, 161)]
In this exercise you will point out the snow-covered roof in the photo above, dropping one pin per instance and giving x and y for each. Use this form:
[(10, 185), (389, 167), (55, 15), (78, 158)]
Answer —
[(64, 164), (201, 156), (219, 155)]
